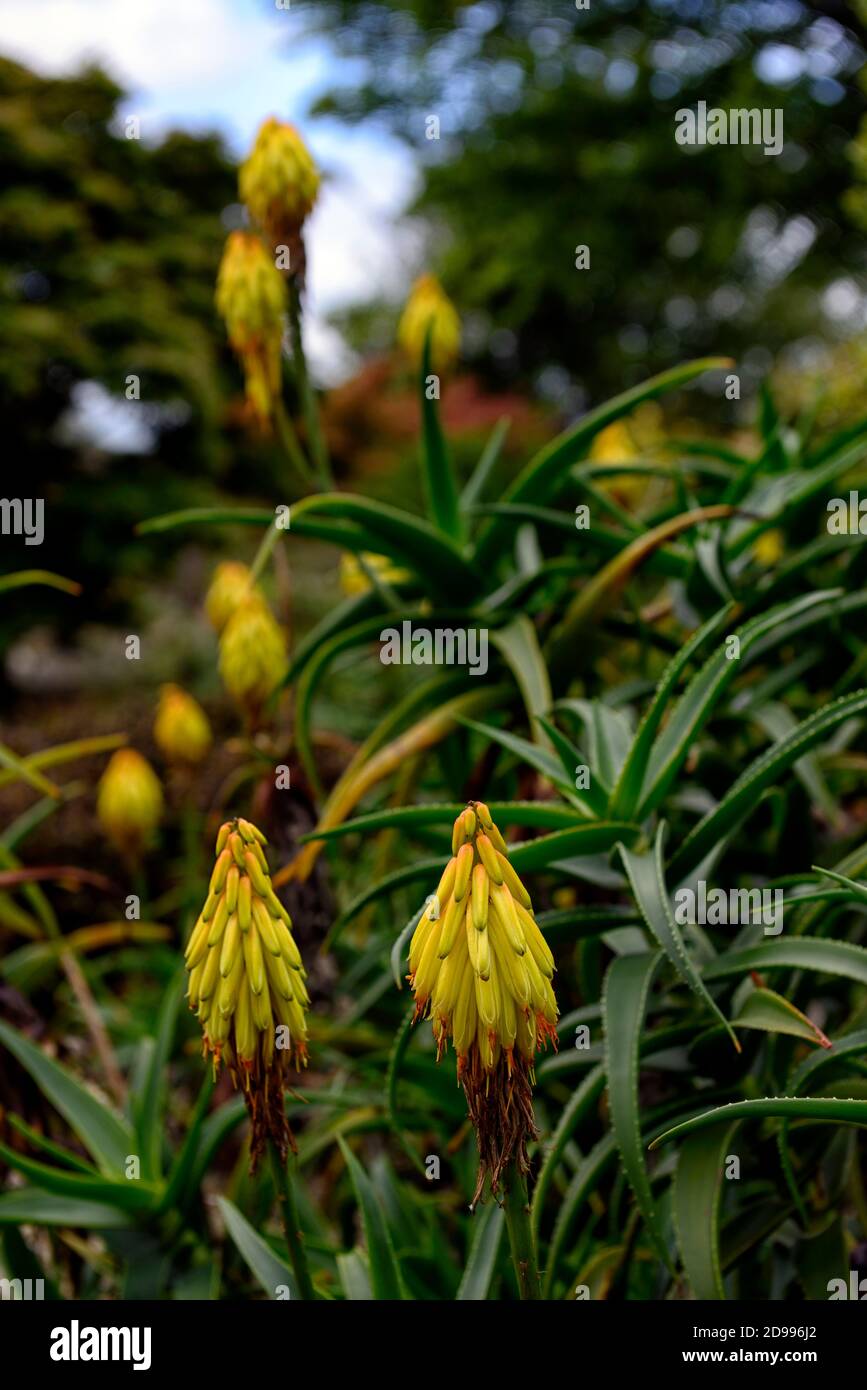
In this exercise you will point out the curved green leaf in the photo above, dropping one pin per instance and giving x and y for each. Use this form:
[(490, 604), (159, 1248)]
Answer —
[(743, 796), (385, 1275), (488, 1226), (544, 473), (819, 1109), (697, 1198), (647, 879), (624, 1003), (800, 952), (102, 1132), (268, 1268)]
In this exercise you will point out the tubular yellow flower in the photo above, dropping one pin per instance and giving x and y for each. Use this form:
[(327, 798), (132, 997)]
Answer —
[(246, 983), (252, 655), (251, 297), (129, 802), (279, 181), (428, 304), (231, 584), (181, 728), (481, 968)]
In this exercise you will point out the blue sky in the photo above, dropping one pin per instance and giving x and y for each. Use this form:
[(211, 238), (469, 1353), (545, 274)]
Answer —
[(226, 64)]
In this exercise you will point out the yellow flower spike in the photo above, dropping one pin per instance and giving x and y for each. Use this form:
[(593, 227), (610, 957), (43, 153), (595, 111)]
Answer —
[(129, 802), (181, 729), (487, 988), (279, 181), (428, 306), (252, 1013), (231, 585), (251, 298), (252, 660)]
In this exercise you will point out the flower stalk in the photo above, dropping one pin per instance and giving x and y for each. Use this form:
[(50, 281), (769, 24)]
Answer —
[(516, 1204), (289, 1218)]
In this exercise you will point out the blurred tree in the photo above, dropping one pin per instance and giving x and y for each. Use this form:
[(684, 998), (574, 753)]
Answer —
[(557, 130), (111, 246)]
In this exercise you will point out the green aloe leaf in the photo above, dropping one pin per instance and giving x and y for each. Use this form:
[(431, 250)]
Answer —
[(567, 844), (519, 646), (743, 796), (130, 1196), (579, 1104), (609, 736), (603, 588), (647, 879), (475, 484), (624, 1004), (108, 1138), (269, 1269), (627, 791), (385, 1274), (852, 1045), (347, 614), (22, 579), (769, 1012), (355, 1276), (708, 685), (542, 759), (149, 1119), (33, 1206), (409, 540), (799, 952), (698, 1186), (858, 888), (547, 470), (543, 814), (818, 1109), (488, 1226)]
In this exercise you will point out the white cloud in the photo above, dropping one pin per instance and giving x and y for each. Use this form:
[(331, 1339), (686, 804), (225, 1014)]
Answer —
[(161, 43)]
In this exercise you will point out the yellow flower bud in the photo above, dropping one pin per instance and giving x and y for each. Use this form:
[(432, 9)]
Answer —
[(428, 304), (769, 548), (247, 982), (181, 727), (251, 297), (252, 656), (480, 966), (230, 585), (279, 181), (129, 802)]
